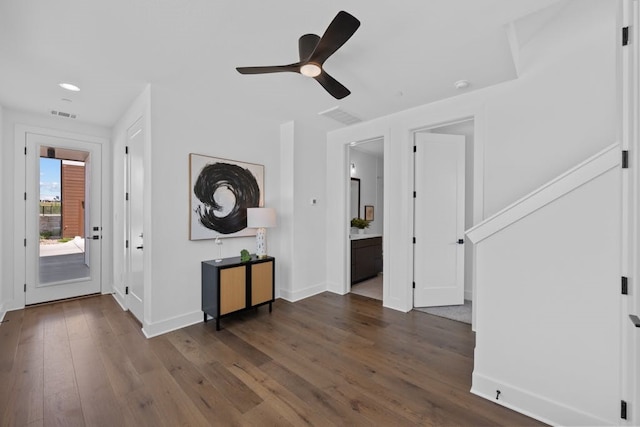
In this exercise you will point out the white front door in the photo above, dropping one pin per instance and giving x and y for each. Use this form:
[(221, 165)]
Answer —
[(439, 220), (63, 218), (135, 235)]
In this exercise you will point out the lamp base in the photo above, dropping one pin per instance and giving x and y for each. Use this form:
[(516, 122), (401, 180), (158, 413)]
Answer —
[(261, 242)]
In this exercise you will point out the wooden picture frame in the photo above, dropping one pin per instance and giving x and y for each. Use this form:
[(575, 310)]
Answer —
[(368, 212), (220, 191)]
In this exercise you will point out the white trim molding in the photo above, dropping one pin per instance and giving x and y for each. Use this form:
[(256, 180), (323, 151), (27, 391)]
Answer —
[(591, 168)]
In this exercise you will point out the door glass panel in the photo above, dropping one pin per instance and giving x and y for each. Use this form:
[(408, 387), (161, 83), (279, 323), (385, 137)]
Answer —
[(62, 216)]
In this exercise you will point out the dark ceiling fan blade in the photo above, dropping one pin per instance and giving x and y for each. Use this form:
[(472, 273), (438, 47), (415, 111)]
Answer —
[(270, 69), (334, 87), (306, 45), (338, 32)]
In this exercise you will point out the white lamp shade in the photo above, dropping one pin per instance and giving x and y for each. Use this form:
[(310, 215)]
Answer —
[(261, 217)]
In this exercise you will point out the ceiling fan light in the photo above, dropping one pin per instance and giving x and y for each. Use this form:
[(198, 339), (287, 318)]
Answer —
[(310, 70)]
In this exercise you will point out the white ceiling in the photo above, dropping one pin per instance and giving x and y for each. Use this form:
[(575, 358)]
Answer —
[(406, 53)]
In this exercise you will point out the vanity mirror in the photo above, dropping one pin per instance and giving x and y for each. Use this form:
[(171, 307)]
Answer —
[(355, 198)]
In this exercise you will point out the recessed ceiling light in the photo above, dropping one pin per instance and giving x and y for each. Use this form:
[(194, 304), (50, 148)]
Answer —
[(69, 86), (461, 84)]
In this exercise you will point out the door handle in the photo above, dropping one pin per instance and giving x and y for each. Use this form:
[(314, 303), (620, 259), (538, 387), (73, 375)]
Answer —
[(95, 237), (139, 247), (461, 241)]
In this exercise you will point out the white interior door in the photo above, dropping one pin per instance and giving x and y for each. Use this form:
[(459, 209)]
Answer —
[(63, 218), (135, 233), (439, 220)]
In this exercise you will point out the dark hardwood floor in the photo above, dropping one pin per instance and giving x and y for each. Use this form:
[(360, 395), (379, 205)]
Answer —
[(327, 360)]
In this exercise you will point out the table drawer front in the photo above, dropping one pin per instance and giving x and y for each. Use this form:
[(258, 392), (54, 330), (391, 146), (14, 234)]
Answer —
[(233, 287), (261, 282)]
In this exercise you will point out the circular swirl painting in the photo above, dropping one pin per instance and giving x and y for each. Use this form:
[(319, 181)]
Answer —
[(221, 192)]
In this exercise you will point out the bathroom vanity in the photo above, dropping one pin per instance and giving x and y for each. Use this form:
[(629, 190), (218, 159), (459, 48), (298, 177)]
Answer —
[(366, 256)]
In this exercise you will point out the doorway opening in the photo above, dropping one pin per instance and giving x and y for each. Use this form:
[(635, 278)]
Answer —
[(366, 166), (443, 210)]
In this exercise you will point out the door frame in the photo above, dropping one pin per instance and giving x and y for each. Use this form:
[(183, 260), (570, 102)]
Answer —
[(36, 292), (137, 308), (140, 108), (398, 170), (477, 196), (629, 98), (460, 265), (385, 245), (19, 210)]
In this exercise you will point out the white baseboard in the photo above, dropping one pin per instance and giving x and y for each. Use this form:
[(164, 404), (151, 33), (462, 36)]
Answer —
[(336, 288), (13, 305), (3, 312), (151, 330), (120, 298), (533, 405), (303, 293)]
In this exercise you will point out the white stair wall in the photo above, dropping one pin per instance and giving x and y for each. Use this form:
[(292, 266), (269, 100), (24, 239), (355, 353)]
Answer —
[(548, 312)]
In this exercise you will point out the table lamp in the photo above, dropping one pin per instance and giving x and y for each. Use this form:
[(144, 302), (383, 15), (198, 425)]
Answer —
[(261, 218)]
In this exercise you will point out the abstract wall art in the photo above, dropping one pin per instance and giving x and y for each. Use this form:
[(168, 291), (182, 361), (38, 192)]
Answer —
[(221, 190)]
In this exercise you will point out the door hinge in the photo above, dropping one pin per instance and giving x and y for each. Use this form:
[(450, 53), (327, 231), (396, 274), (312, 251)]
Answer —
[(126, 244), (25, 195), (414, 285), (126, 196), (625, 286), (25, 243), (414, 240), (414, 194), (415, 148), (126, 149), (126, 290), (623, 409), (625, 36), (25, 287), (625, 159), (25, 151)]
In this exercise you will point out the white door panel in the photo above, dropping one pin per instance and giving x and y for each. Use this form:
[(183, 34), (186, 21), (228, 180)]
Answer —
[(63, 270), (135, 234), (439, 220)]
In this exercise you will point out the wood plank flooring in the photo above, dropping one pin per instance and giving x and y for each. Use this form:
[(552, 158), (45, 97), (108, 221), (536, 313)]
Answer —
[(328, 360)]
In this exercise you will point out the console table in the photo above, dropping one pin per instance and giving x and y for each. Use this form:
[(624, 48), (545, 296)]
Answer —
[(231, 286)]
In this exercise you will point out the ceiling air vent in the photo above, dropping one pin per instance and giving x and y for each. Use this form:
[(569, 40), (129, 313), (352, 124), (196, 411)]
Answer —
[(339, 115), (63, 114)]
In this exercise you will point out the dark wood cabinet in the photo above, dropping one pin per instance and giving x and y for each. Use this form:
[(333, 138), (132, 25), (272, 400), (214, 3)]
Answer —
[(366, 258), (230, 286)]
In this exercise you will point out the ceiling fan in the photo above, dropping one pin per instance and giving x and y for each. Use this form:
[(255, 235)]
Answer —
[(314, 51)]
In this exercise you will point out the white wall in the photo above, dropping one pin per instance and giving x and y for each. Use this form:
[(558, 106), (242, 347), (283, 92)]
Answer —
[(185, 118), (11, 195), (2, 276), (560, 111), (302, 157), (369, 169), (548, 299), (308, 263)]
